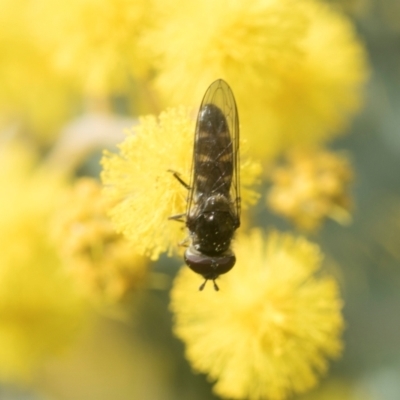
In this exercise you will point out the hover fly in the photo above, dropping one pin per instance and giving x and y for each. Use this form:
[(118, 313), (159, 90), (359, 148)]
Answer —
[(213, 203)]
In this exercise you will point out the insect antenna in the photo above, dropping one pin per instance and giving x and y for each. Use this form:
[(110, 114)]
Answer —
[(179, 179)]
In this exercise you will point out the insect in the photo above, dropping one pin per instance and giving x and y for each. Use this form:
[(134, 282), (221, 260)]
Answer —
[(213, 202)]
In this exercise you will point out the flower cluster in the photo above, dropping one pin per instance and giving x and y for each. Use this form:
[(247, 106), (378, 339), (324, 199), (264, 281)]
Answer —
[(101, 261), (26, 76), (40, 311), (95, 42), (313, 185), (269, 330), (296, 68)]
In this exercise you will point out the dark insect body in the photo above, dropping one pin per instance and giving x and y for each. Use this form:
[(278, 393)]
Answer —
[(213, 205)]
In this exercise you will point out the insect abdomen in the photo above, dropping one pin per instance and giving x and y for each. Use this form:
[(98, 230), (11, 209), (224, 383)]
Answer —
[(213, 163)]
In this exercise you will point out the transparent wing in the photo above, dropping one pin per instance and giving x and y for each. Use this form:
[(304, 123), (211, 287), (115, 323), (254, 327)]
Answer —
[(215, 165)]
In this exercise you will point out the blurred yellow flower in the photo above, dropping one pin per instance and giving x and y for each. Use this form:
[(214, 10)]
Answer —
[(313, 185), (103, 263), (296, 68), (140, 182), (39, 310), (269, 330), (32, 93), (94, 41)]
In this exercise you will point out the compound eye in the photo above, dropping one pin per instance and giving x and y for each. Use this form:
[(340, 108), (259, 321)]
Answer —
[(209, 267)]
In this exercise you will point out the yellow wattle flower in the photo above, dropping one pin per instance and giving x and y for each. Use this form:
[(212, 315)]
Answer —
[(94, 41), (270, 330), (101, 261), (296, 68), (311, 186), (33, 93), (40, 310)]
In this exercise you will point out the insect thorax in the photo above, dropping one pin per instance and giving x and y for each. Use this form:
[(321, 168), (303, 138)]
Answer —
[(212, 225)]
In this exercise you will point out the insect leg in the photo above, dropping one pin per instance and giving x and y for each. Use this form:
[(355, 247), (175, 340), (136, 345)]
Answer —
[(184, 242), (182, 182), (216, 288), (203, 284), (178, 217)]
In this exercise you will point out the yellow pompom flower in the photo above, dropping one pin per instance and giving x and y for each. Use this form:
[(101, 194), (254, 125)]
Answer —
[(40, 312), (32, 93), (312, 186), (140, 182), (269, 331), (296, 68), (102, 262), (94, 41)]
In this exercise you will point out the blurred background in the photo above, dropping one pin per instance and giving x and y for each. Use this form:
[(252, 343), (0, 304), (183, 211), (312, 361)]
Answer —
[(63, 120)]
